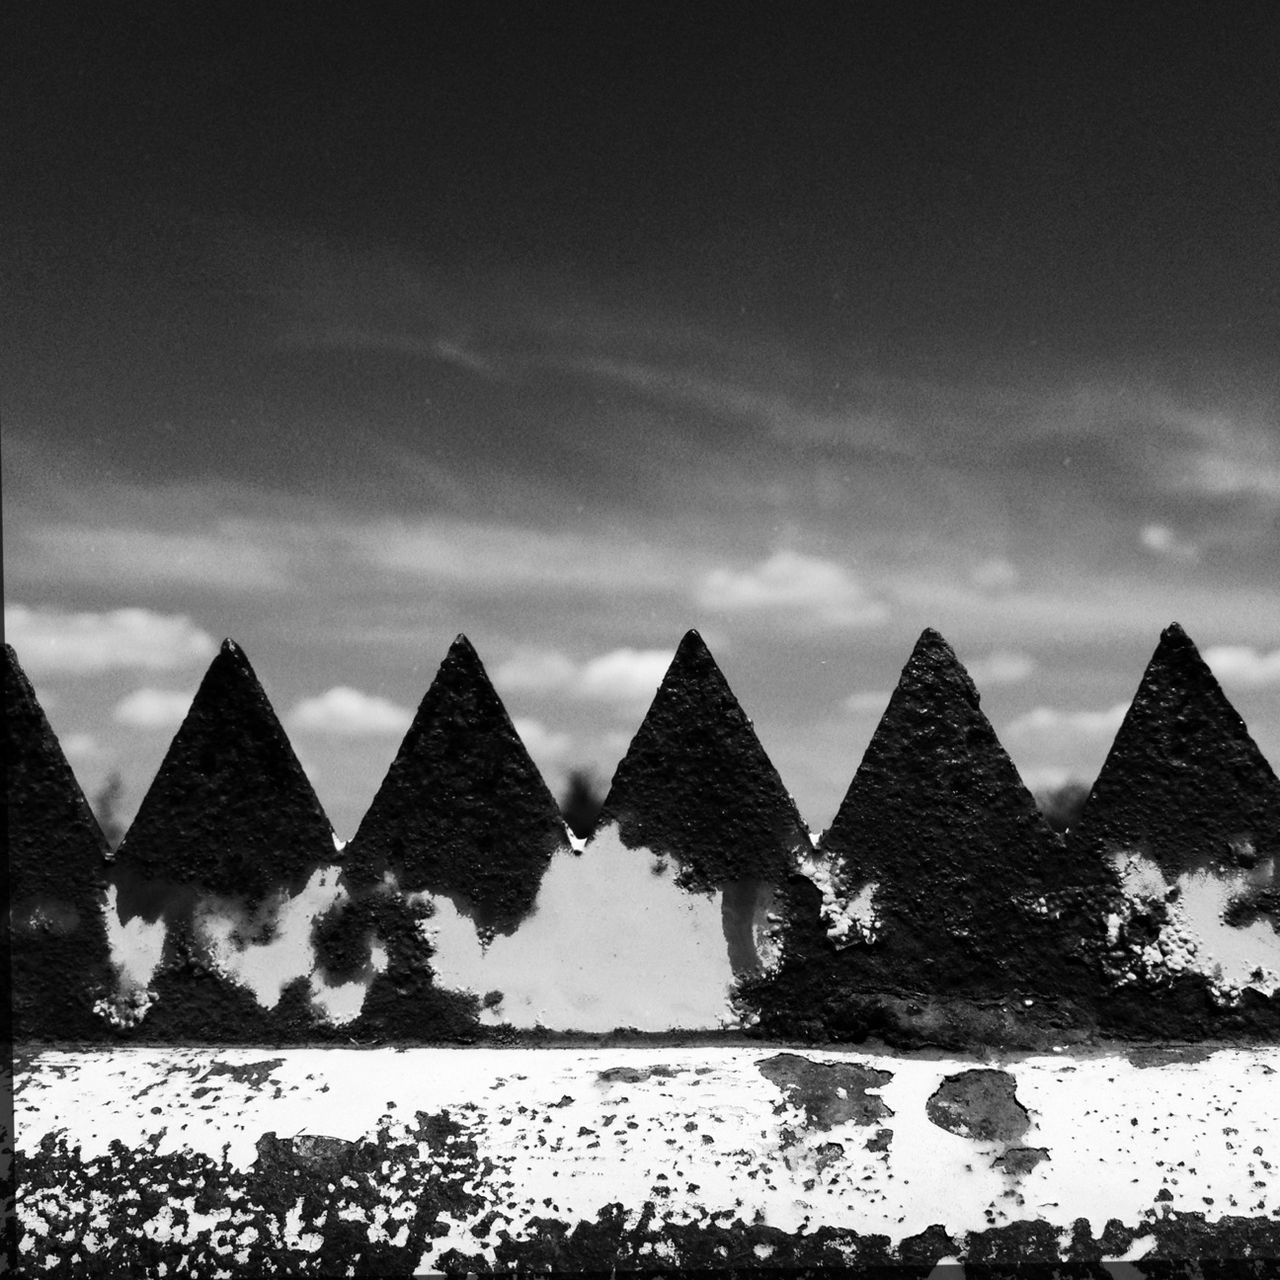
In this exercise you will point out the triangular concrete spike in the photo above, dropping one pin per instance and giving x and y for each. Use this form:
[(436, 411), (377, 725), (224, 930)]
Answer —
[(463, 808), (939, 821), (230, 810), (696, 785), (1184, 782), (57, 867)]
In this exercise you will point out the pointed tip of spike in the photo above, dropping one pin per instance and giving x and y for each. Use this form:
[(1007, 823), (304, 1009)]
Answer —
[(1175, 633), (691, 643), (230, 649), (932, 641)]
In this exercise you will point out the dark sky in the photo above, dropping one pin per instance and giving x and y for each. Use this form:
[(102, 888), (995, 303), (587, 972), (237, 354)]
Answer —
[(345, 328)]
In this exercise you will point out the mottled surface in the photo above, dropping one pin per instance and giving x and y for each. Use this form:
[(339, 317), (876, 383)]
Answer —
[(963, 893), (1183, 783), (56, 871), (696, 785), (230, 811), (311, 1162), (828, 1093), (463, 809), (981, 1103), (1186, 791)]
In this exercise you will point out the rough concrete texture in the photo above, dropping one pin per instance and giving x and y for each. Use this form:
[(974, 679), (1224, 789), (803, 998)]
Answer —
[(56, 873), (230, 811), (940, 906), (331, 1162), (463, 809), (696, 785), (1183, 783), (1187, 808)]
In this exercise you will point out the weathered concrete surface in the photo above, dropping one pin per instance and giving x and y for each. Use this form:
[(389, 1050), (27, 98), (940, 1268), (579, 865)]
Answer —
[(313, 1162), (230, 811), (463, 809), (696, 785), (938, 887), (1186, 815), (56, 875)]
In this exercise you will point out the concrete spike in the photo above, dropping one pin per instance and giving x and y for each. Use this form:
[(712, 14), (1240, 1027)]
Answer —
[(1183, 783), (955, 889), (697, 786), (230, 810), (463, 808), (57, 866)]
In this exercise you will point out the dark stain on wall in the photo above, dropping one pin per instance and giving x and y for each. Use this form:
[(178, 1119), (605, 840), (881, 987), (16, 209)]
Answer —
[(57, 868), (979, 1104), (1019, 1160), (463, 809), (829, 1093), (230, 811), (1183, 782), (979, 906), (696, 785)]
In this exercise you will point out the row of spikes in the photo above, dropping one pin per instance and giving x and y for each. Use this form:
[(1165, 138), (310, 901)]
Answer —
[(936, 814), (464, 809)]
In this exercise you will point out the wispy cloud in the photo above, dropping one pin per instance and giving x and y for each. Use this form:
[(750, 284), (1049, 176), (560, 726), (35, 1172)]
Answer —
[(152, 709), (1243, 665), (53, 642), (805, 591), (349, 713), (504, 557), (230, 556)]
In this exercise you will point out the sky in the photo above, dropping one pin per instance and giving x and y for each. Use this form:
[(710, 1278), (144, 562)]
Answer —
[(340, 330)]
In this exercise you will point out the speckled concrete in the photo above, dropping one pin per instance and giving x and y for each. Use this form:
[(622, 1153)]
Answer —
[(313, 1161)]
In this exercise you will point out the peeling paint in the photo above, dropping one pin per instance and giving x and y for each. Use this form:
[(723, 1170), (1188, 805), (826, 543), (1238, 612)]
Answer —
[(1190, 928), (229, 1162)]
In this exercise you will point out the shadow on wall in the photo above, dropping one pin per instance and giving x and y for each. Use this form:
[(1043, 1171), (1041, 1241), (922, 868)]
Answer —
[(941, 907)]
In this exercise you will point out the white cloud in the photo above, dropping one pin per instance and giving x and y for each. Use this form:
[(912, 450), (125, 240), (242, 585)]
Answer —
[(1163, 541), (875, 700), (152, 709), (348, 713), (548, 748), (1002, 666), (804, 588), (489, 558), (49, 642), (1041, 778), (1242, 665), (80, 747), (1050, 720), (535, 671), (624, 677)]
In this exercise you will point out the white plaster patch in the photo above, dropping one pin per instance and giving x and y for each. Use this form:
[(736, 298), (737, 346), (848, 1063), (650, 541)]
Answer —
[(610, 944), (1196, 937), (849, 918), (266, 968), (136, 946)]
